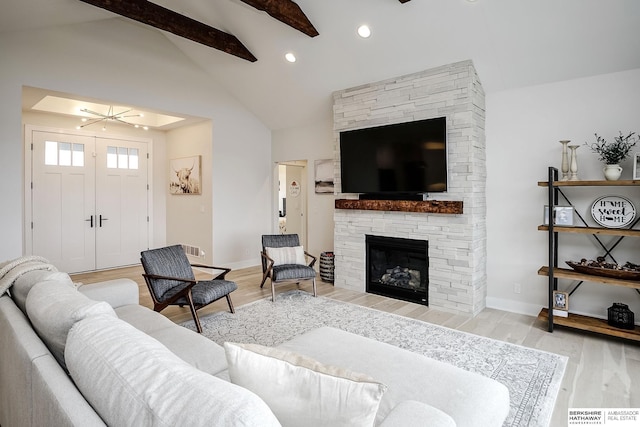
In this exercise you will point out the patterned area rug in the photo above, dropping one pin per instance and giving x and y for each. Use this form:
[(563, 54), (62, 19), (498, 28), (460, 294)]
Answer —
[(532, 376)]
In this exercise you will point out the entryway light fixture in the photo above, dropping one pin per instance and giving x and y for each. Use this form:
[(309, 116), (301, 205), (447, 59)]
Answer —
[(364, 31), (110, 116), (290, 57)]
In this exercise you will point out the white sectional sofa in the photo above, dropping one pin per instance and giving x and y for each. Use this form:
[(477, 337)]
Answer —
[(93, 356)]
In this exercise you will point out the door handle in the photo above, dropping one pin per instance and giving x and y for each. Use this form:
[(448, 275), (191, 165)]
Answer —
[(90, 220), (103, 219)]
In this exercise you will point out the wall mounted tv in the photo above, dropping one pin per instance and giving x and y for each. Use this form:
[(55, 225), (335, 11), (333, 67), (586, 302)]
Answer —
[(395, 160)]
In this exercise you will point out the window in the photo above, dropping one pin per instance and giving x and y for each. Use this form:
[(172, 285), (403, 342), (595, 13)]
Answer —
[(63, 154), (122, 158)]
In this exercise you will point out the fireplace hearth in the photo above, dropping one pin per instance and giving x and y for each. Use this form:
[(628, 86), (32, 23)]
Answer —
[(398, 268)]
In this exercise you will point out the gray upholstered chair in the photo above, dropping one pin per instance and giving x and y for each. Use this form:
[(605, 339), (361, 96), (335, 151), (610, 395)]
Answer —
[(170, 279), (289, 264)]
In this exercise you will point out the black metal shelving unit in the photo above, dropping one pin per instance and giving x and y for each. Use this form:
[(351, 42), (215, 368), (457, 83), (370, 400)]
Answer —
[(554, 272)]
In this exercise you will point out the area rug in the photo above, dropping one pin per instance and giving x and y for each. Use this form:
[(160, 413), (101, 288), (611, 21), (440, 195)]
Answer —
[(533, 377)]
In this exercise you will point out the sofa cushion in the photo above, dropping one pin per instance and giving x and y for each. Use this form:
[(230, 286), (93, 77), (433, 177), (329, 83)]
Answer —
[(193, 348), (413, 413), (25, 282), (301, 391), (132, 379), (469, 398), (286, 255), (53, 307)]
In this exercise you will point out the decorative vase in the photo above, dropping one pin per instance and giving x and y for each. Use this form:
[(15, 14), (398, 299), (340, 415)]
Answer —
[(612, 172), (573, 168), (565, 160)]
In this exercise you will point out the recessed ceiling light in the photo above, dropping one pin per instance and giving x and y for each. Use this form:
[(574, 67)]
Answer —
[(364, 31), (290, 57)]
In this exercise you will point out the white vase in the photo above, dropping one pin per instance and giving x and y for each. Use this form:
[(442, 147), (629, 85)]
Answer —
[(612, 172), (573, 163), (565, 160)]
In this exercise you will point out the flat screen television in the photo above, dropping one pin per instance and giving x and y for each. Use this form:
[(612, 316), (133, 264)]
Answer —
[(404, 158)]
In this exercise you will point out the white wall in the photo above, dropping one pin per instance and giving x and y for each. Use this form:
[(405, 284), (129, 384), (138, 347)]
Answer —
[(523, 130), (192, 209), (116, 60), (313, 142)]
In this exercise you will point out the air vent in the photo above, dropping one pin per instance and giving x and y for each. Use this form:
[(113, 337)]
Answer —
[(192, 250)]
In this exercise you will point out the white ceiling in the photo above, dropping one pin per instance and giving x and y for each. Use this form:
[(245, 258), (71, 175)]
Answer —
[(513, 43)]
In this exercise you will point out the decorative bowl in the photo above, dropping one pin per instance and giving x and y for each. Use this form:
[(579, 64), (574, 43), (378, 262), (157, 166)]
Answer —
[(629, 271)]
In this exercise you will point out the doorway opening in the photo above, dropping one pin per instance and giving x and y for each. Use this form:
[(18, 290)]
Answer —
[(291, 191)]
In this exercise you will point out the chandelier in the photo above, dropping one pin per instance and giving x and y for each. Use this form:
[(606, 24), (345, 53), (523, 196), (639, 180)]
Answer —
[(110, 116)]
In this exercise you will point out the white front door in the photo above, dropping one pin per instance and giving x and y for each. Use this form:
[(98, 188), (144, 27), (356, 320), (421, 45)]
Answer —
[(121, 202), (63, 200), (89, 204)]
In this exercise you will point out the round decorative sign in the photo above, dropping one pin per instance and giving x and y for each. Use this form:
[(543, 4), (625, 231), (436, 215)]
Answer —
[(613, 211), (294, 189)]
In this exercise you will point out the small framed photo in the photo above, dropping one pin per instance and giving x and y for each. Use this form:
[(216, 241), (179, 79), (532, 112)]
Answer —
[(636, 166), (562, 215), (560, 301)]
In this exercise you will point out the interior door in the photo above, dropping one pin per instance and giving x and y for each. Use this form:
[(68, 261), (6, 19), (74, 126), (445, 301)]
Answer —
[(121, 202), (63, 200), (296, 202)]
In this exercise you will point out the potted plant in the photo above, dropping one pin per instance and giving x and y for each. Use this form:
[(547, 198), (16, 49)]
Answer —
[(612, 153)]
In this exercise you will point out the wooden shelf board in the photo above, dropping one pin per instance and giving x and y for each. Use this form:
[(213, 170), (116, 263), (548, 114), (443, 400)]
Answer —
[(598, 183), (592, 324), (592, 230), (565, 273)]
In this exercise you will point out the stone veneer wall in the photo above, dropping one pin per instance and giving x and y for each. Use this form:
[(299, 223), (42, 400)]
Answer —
[(457, 243)]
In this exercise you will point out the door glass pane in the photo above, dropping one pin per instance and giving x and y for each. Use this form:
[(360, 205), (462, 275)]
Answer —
[(123, 161), (78, 155), (64, 154), (133, 158), (112, 158), (50, 153)]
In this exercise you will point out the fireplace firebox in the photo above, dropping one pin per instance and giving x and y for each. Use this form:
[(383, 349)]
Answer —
[(398, 268)]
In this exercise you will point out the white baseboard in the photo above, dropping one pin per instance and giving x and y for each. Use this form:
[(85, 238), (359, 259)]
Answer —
[(529, 309), (243, 264), (514, 306)]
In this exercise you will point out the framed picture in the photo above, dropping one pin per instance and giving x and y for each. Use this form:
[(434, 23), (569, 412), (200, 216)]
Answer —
[(636, 166), (185, 175), (562, 215), (560, 301), (324, 176)]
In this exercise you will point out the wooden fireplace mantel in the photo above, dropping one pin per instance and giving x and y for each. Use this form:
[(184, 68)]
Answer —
[(452, 207)]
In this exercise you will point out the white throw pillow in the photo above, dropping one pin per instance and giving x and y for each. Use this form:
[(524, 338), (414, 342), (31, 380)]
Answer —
[(131, 379), (301, 391), (287, 255), (53, 307)]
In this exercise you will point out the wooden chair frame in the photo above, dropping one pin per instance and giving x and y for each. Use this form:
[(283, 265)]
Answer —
[(185, 292), (269, 267)]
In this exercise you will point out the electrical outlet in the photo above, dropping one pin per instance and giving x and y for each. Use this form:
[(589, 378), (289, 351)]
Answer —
[(517, 288)]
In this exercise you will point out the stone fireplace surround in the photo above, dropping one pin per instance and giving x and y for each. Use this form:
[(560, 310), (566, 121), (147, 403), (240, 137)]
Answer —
[(457, 241)]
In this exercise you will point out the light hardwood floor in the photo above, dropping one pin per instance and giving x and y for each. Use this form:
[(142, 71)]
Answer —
[(602, 371)]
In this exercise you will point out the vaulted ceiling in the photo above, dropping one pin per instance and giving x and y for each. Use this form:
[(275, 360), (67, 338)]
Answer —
[(513, 43)]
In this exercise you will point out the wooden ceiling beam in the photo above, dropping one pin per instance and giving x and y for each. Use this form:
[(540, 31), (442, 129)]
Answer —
[(286, 11), (164, 19)]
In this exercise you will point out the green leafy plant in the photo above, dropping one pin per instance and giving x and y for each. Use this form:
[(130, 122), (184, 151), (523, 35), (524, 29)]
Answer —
[(612, 153)]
